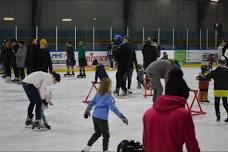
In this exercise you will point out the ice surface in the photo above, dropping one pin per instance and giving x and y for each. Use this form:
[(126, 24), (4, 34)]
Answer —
[(70, 131)]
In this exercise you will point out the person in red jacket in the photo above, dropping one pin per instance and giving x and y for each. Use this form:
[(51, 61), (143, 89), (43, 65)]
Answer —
[(168, 125)]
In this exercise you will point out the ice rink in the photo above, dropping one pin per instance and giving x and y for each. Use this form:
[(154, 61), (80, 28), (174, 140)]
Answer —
[(70, 131)]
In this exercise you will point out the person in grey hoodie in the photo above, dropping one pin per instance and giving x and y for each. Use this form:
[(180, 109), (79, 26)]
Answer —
[(157, 70), (21, 58)]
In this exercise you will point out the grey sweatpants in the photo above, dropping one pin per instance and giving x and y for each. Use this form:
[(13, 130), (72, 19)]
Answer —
[(156, 84)]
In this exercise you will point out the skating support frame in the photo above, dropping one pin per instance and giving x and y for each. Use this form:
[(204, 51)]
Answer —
[(195, 100), (92, 86), (145, 87)]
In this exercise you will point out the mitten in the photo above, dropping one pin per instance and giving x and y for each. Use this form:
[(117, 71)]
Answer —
[(124, 119), (86, 114)]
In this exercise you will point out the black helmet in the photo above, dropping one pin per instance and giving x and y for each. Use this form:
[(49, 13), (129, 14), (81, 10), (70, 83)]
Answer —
[(130, 146)]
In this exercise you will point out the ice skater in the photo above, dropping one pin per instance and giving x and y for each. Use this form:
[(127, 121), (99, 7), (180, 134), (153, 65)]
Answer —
[(35, 85), (100, 72), (70, 62), (220, 76), (82, 60), (102, 102), (140, 76)]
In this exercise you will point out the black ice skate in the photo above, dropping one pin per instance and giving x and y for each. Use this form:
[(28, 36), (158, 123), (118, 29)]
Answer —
[(72, 73), (29, 122), (129, 91), (67, 74), (116, 92), (84, 75), (38, 126), (80, 75), (124, 93), (218, 117), (46, 125)]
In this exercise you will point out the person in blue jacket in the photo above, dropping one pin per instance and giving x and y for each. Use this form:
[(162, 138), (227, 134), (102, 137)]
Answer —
[(102, 102)]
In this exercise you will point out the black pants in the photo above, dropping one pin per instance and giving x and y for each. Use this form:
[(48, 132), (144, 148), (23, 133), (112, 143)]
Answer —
[(121, 77), (101, 128), (34, 98), (7, 69), (217, 103), (14, 66), (129, 78), (21, 73)]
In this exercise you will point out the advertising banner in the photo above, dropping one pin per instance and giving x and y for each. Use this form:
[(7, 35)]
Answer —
[(180, 55)]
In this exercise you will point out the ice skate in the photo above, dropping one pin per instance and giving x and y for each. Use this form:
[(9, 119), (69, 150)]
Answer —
[(218, 117), (37, 126), (129, 91), (15, 80), (116, 92), (67, 74), (84, 75), (72, 73), (29, 122), (124, 92), (46, 125), (86, 149), (80, 75)]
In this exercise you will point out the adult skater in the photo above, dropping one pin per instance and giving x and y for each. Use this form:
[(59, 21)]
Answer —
[(130, 72), (123, 57), (157, 70), (168, 125), (102, 102), (45, 61), (149, 52), (33, 57), (220, 76), (70, 62), (14, 48), (7, 57), (220, 49), (35, 85), (82, 60), (21, 59)]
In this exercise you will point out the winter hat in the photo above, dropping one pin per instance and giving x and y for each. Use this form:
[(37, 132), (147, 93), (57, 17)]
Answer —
[(43, 43), (56, 76), (176, 85), (222, 61)]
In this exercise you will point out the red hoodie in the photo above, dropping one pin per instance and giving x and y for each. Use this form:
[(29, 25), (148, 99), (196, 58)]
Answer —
[(168, 125)]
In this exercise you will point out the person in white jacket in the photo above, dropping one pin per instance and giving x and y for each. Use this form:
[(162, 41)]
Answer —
[(35, 85)]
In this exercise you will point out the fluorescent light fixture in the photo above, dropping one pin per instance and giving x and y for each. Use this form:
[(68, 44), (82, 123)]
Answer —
[(8, 19), (214, 0), (67, 19)]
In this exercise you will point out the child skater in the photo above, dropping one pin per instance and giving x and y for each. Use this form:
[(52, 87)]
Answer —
[(203, 84), (140, 76), (100, 72), (45, 103), (82, 60), (102, 102), (220, 76)]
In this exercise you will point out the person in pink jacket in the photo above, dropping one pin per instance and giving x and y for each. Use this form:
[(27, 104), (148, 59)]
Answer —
[(168, 125)]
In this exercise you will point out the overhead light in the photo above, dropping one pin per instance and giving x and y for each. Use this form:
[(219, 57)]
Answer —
[(214, 0), (8, 19), (67, 19)]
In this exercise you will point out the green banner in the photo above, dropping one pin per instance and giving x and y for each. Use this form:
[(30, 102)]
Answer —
[(180, 55)]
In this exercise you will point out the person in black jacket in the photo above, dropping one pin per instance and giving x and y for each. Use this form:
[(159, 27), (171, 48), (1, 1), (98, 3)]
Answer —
[(70, 62), (7, 57), (123, 58), (45, 62), (33, 54), (14, 48), (130, 72), (220, 76), (149, 52)]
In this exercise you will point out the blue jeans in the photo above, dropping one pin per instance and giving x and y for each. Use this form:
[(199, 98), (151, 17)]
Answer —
[(34, 98)]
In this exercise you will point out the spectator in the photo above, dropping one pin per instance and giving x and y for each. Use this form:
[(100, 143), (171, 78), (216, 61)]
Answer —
[(168, 125), (21, 58)]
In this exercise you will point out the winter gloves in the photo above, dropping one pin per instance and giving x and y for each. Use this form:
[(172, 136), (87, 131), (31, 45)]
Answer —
[(86, 114), (124, 119)]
